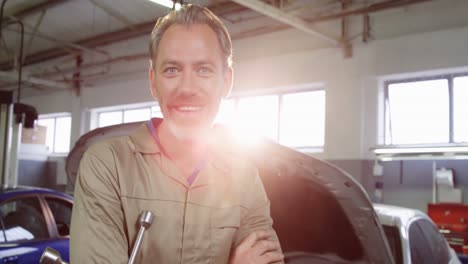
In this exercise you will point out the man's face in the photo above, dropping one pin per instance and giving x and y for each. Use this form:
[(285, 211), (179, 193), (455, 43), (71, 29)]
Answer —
[(189, 79)]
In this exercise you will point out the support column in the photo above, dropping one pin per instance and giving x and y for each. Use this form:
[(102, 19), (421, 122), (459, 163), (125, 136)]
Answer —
[(6, 118)]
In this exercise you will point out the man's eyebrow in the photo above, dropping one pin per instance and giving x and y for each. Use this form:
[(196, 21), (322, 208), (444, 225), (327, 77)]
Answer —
[(204, 62), (179, 64), (170, 62)]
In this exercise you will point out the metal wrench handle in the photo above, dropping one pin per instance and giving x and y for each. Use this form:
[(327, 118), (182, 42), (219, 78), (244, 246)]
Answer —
[(51, 256), (146, 219)]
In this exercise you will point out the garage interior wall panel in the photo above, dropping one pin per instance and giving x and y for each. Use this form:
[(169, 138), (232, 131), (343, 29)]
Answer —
[(409, 183)]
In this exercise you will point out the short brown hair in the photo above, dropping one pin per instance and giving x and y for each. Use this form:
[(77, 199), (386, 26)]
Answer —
[(190, 15)]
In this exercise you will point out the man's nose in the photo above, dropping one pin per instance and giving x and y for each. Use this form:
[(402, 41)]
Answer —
[(188, 83)]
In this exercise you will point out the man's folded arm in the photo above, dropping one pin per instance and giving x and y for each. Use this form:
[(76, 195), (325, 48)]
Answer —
[(97, 229), (258, 216)]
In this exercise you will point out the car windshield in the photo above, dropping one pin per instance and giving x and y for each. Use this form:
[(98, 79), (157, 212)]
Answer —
[(394, 241)]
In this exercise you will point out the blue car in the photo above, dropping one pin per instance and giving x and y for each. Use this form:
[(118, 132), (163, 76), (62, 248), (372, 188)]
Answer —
[(31, 219)]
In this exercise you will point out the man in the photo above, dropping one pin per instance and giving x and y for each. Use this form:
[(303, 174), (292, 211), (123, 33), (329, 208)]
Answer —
[(209, 203)]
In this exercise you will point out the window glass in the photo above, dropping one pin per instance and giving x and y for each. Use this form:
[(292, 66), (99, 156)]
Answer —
[(419, 247), (436, 241), (109, 118), (61, 210), (258, 116), (419, 112), (58, 132), (23, 220), (427, 244), (136, 115), (49, 123), (460, 109), (394, 241), (62, 134), (299, 121), (227, 112), (303, 119)]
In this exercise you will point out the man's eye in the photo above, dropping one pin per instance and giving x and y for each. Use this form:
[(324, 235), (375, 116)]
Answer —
[(204, 70), (171, 70)]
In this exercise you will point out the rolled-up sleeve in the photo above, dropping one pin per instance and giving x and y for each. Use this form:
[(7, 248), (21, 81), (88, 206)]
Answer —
[(97, 228)]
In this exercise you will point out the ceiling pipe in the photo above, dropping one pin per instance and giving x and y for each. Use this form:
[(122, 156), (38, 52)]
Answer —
[(280, 15)]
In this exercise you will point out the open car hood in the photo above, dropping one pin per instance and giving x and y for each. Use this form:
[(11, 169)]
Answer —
[(320, 213)]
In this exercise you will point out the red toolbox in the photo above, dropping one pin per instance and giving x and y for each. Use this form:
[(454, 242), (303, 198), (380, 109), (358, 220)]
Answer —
[(452, 221)]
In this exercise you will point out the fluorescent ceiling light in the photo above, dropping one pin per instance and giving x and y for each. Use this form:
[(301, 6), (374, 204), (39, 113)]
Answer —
[(392, 158), (420, 150), (167, 3)]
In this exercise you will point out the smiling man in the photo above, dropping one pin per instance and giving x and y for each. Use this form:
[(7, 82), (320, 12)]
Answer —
[(209, 203)]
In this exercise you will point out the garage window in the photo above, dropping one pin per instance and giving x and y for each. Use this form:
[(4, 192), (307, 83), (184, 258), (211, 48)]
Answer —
[(58, 131), (426, 111), (460, 108), (294, 119), (126, 114)]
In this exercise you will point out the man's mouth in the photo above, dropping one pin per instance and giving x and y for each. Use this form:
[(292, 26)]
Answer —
[(188, 108)]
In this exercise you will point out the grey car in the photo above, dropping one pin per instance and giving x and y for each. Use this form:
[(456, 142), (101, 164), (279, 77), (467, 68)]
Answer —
[(413, 237)]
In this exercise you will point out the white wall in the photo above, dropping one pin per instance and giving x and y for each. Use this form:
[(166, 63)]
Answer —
[(352, 85)]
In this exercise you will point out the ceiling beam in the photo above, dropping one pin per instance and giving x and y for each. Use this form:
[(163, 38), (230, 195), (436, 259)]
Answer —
[(220, 8), (259, 31), (111, 11), (33, 9), (280, 15), (13, 76), (389, 4)]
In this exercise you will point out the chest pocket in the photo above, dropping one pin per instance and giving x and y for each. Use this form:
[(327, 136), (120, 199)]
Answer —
[(224, 224)]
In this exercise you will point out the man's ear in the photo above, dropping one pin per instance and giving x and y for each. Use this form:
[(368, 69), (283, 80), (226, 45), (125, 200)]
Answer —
[(152, 77), (228, 81)]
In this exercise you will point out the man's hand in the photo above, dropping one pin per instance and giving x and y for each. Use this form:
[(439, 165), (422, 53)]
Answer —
[(257, 249)]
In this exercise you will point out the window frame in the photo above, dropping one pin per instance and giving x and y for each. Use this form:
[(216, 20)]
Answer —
[(52, 225), (280, 93), (386, 108), (95, 113), (55, 116), (236, 96)]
